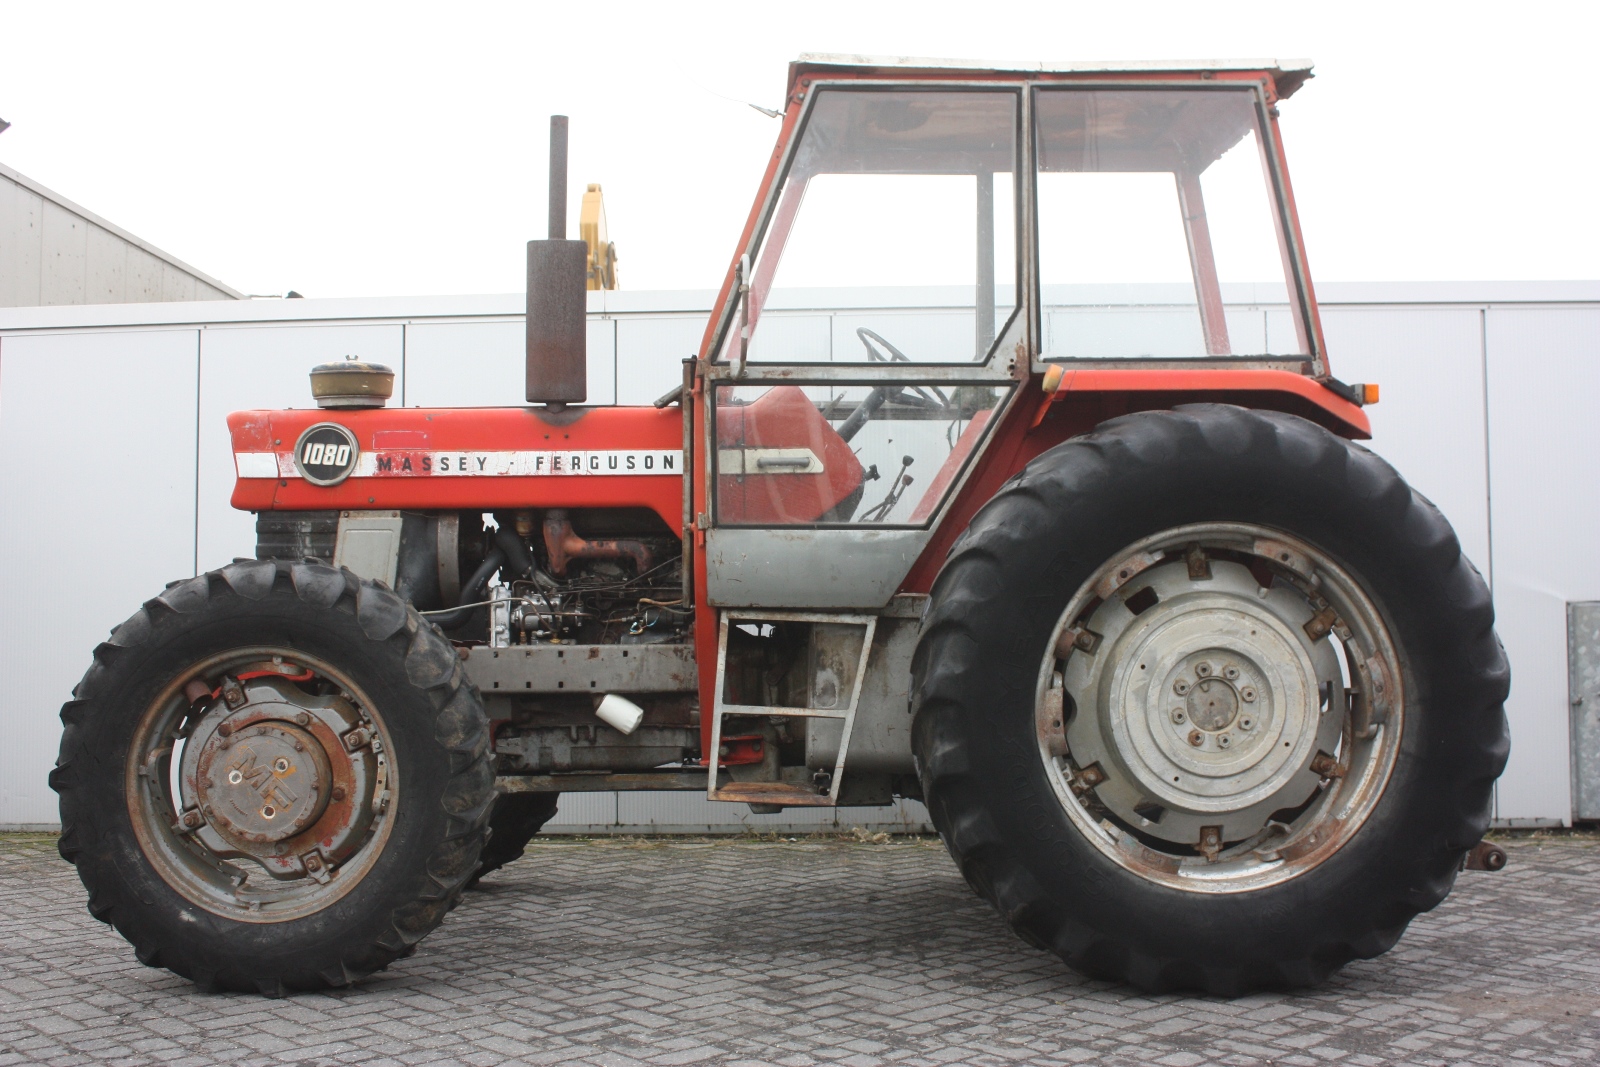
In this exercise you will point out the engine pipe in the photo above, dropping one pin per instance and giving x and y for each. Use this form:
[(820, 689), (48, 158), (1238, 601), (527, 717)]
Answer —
[(563, 544)]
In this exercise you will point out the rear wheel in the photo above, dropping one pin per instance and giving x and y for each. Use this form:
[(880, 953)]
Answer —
[(1210, 699), (275, 776)]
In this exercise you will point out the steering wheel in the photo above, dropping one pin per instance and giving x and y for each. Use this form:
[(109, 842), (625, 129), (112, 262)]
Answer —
[(928, 396), (924, 396)]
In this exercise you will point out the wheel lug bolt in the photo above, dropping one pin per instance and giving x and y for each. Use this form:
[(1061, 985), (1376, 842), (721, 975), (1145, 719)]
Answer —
[(1196, 738), (1247, 723), (1181, 686), (1230, 672), (1178, 716), (1247, 694), (1203, 669), (1224, 741), (303, 718), (338, 792)]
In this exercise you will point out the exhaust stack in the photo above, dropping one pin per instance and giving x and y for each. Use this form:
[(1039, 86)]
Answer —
[(557, 358)]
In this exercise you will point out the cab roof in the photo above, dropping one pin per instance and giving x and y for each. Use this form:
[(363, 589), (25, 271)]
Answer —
[(1287, 74)]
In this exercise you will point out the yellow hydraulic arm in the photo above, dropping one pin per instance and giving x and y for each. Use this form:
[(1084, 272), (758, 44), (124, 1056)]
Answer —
[(592, 231)]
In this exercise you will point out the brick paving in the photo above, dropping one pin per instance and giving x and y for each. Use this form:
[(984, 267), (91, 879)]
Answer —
[(618, 952)]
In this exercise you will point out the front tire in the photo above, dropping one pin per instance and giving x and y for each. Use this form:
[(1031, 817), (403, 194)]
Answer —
[(1209, 699), (516, 818), (274, 777)]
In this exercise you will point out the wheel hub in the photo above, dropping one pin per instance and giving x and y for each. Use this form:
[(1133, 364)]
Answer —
[(1173, 699), (1212, 705), (265, 783)]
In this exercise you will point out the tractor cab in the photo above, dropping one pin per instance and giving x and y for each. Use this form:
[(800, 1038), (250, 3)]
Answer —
[(927, 238)]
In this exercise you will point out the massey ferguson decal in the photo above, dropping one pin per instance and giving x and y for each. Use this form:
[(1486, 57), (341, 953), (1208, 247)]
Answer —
[(531, 464), (415, 463), (326, 454)]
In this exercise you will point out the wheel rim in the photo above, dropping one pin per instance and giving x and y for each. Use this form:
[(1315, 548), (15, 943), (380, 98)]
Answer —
[(261, 784), (1220, 707)]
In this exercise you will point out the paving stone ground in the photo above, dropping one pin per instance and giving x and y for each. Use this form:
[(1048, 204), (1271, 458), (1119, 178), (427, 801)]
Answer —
[(617, 952)]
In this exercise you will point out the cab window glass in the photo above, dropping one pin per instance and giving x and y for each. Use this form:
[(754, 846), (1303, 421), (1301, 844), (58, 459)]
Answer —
[(875, 455), (896, 218), (1158, 233)]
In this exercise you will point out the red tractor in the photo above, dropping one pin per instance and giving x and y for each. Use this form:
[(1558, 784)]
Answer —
[(1079, 551)]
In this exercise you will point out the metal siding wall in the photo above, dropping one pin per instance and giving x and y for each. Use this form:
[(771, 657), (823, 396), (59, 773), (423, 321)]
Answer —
[(98, 483), (482, 364), (137, 390), (1428, 363), (50, 254), (21, 237), (650, 354), (245, 367), (64, 258), (1544, 391)]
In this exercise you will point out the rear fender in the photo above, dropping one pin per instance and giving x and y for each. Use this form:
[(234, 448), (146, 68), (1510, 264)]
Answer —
[(1075, 400)]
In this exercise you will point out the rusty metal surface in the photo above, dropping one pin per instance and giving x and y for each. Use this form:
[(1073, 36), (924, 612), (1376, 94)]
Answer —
[(1485, 856), (582, 669), (595, 746), (600, 783), (623, 952), (783, 794), (564, 545)]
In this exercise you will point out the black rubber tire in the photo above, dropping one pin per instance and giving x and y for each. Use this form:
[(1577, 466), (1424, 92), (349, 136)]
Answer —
[(512, 824), (439, 746), (995, 605)]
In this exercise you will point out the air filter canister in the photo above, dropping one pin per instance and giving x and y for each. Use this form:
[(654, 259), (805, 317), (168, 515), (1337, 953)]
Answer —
[(351, 383)]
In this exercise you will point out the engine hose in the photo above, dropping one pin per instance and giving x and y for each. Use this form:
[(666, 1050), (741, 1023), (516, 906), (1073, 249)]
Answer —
[(471, 591), (513, 552)]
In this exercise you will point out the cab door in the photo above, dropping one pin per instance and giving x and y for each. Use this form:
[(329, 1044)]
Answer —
[(876, 340)]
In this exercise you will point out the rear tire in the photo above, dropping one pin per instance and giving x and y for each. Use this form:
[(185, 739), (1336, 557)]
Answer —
[(516, 818), (1070, 862), (213, 868)]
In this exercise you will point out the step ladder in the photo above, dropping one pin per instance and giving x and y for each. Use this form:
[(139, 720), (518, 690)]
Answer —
[(787, 794)]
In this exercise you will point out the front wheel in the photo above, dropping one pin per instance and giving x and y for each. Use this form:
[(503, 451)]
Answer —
[(275, 776), (1210, 699)]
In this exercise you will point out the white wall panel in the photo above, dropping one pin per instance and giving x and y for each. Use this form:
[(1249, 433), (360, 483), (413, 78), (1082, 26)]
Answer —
[(1544, 463), (482, 364), (98, 485), (650, 354), (81, 387), (1428, 363), (243, 367)]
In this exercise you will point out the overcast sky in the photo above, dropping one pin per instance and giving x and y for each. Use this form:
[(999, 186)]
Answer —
[(345, 149)]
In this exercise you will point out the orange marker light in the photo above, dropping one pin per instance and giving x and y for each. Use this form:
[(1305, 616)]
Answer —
[(1369, 393)]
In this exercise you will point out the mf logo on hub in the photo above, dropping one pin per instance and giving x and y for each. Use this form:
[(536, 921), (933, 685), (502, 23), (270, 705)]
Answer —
[(326, 454)]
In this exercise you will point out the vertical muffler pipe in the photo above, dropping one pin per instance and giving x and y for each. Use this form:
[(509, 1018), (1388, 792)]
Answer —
[(557, 360)]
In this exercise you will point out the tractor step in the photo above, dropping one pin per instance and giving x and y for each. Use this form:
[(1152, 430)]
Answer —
[(784, 794)]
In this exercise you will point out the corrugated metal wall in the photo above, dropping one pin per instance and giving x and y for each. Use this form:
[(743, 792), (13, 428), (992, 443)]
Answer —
[(54, 252), (117, 471)]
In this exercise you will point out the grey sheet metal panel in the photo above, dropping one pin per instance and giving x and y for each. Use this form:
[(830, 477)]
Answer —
[(583, 669), (805, 568), (880, 741), (369, 544), (1583, 669)]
